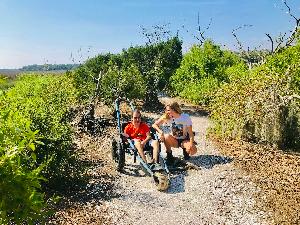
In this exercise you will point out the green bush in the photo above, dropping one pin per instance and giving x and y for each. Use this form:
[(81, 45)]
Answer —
[(5, 83), (35, 144), (45, 101), (156, 62), (263, 105), (85, 76), (146, 69), (121, 81), (22, 199), (202, 70), (200, 92)]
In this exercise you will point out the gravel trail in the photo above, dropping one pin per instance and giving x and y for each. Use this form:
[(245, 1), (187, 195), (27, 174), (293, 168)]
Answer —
[(215, 193)]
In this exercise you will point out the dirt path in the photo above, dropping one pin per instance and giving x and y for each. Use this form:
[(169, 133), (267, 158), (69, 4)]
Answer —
[(216, 193)]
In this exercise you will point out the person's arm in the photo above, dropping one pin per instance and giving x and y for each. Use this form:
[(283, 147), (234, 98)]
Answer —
[(157, 124), (190, 129), (126, 132), (191, 134), (148, 138)]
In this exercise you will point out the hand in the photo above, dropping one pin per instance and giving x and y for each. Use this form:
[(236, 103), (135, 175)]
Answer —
[(143, 143), (161, 136), (192, 142), (125, 135)]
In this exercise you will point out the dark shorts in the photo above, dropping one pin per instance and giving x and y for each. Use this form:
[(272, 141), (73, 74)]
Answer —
[(182, 140)]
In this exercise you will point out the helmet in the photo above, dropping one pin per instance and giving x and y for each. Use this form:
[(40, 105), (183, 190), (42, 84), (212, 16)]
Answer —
[(161, 181)]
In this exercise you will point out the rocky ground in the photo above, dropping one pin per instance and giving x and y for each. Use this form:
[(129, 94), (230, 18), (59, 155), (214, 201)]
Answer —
[(230, 183)]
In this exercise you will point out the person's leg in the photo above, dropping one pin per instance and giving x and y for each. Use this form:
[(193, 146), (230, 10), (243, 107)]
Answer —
[(185, 153), (140, 149), (170, 142), (155, 146), (189, 148)]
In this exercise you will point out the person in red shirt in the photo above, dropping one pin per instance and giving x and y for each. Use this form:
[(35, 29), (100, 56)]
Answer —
[(140, 133)]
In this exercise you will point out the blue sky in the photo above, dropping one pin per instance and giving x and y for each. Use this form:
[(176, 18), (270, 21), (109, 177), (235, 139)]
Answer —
[(67, 31)]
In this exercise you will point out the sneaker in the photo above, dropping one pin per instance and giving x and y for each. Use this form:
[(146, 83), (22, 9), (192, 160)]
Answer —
[(170, 159), (156, 167), (185, 154)]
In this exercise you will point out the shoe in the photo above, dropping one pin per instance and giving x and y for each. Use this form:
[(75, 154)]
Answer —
[(156, 167), (170, 159), (185, 154)]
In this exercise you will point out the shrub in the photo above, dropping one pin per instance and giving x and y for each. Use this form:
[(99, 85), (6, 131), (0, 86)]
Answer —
[(201, 72), (122, 81), (146, 69), (35, 144), (22, 199), (45, 101), (263, 105)]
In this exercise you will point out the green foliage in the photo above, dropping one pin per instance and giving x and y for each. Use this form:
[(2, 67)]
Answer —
[(156, 62), (122, 81), (253, 57), (20, 188), (263, 105), (46, 100), (49, 67), (85, 76), (5, 83), (236, 72), (204, 88), (35, 143), (146, 69), (202, 70)]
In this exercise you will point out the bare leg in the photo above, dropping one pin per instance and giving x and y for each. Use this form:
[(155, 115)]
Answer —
[(140, 149), (170, 142), (190, 147), (155, 145)]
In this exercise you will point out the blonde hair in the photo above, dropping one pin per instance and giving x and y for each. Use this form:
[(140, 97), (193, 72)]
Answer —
[(165, 116), (175, 107)]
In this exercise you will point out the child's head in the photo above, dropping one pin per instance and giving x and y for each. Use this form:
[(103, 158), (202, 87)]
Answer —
[(136, 117), (173, 107)]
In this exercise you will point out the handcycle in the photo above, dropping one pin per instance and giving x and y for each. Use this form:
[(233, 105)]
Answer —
[(122, 145)]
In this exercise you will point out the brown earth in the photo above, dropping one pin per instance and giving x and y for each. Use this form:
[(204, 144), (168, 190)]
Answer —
[(275, 173)]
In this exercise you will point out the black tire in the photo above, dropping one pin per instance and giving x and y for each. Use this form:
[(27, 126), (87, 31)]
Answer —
[(121, 156), (114, 149), (118, 153), (114, 114)]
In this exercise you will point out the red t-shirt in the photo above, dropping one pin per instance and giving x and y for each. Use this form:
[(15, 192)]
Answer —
[(137, 133)]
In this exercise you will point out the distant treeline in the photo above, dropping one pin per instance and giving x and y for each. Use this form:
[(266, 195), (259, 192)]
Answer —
[(47, 67)]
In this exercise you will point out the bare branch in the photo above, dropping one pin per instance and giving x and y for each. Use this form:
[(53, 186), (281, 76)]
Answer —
[(240, 46), (280, 41), (272, 43), (157, 33), (289, 10), (201, 38), (294, 32)]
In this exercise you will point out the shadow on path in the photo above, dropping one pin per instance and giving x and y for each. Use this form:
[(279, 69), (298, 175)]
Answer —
[(209, 161), (194, 111), (134, 170)]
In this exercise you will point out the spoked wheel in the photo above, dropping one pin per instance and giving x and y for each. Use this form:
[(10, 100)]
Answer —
[(118, 154), (161, 180)]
